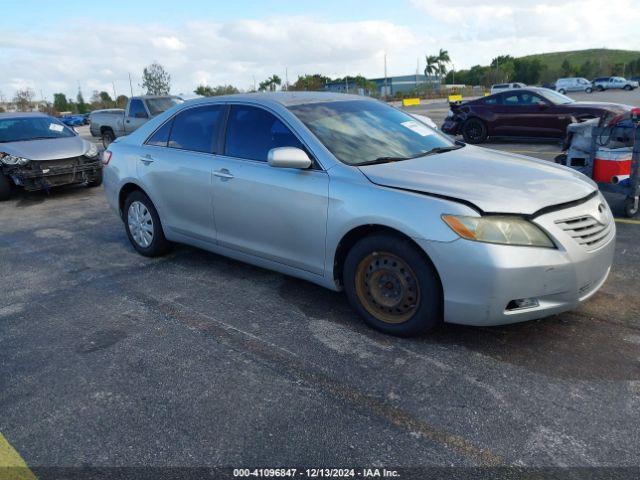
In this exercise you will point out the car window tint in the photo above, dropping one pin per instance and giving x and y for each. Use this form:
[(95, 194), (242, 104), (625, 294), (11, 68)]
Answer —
[(491, 101), (137, 107), (529, 99), (252, 132), (196, 128), (512, 99), (161, 136)]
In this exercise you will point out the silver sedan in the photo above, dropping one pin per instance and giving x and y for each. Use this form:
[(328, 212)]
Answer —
[(350, 193)]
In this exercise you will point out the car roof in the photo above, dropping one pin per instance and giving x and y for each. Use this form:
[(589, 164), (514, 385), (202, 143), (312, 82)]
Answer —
[(522, 89), (286, 99), (22, 115)]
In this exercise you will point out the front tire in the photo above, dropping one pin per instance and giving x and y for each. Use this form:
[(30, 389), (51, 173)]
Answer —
[(589, 90), (143, 227), (393, 286), (5, 188), (628, 87), (630, 209), (474, 131), (562, 91), (600, 88)]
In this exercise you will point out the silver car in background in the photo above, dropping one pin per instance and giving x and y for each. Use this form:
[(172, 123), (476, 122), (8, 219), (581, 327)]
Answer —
[(350, 193), (38, 152)]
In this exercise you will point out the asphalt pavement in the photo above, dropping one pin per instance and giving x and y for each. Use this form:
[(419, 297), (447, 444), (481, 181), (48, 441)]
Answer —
[(112, 359)]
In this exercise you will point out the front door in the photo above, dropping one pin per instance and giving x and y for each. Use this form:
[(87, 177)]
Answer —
[(279, 214)]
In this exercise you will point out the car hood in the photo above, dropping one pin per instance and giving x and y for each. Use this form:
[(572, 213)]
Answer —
[(49, 149), (493, 181)]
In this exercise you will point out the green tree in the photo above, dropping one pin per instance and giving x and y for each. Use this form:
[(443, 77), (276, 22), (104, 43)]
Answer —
[(156, 80), (443, 61), (60, 102), (121, 101), (566, 68), (24, 100), (208, 91), (313, 82), (80, 103), (270, 83), (431, 66)]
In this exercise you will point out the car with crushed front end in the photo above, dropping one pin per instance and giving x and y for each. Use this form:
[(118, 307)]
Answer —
[(531, 112), (38, 152), (350, 193)]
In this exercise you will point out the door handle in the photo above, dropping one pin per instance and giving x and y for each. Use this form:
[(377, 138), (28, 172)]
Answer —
[(147, 159), (224, 173), (128, 121)]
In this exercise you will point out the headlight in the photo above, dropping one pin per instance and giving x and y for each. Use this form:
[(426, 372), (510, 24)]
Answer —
[(92, 152), (12, 159), (507, 230)]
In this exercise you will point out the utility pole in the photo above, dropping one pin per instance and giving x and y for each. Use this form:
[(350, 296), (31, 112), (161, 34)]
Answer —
[(286, 78), (130, 85), (385, 76), (346, 84), (254, 82), (417, 70), (115, 97)]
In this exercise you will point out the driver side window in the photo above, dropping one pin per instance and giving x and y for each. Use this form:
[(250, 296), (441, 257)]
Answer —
[(252, 132)]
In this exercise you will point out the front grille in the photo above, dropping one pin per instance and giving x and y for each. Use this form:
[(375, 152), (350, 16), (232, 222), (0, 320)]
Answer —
[(587, 230)]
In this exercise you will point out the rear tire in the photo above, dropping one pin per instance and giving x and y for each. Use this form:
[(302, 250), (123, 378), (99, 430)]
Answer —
[(107, 138), (628, 87), (5, 188), (393, 286), (600, 88), (143, 227), (562, 91), (474, 131), (589, 90)]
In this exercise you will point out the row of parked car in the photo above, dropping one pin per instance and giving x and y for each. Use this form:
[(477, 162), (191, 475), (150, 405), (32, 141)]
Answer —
[(578, 84)]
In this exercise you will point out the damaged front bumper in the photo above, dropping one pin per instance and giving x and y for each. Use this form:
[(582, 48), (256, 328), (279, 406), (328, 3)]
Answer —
[(42, 175), (451, 126)]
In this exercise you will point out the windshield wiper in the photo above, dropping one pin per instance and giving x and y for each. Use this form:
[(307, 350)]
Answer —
[(417, 155)]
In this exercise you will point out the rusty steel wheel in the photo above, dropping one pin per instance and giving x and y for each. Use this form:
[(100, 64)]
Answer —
[(387, 287), (393, 285)]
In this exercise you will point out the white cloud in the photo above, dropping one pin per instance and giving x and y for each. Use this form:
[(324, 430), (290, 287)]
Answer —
[(474, 31), (200, 52), (519, 27)]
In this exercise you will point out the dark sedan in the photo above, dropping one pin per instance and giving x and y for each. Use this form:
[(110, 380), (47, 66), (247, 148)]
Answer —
[(522, 113)]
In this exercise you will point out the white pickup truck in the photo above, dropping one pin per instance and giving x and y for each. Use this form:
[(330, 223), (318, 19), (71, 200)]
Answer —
[(113, 123)]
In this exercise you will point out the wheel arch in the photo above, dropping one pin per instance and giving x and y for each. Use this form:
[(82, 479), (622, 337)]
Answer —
[(124, 192), (350, 238)]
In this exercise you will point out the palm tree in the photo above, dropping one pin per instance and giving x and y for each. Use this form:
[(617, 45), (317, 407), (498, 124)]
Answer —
[(431, 67), (443, 60)]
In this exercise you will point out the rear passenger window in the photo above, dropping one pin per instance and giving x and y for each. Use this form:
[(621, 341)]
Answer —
[(252, 132), (196, 129), (136, 109), (161, 136)]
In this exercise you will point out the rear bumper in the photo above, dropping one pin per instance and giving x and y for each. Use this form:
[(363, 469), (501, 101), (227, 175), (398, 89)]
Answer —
[(480, 280), (40, 177)]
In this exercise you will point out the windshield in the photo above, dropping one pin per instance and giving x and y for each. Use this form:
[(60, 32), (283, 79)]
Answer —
[(359, 132), (158, 105), (555, 97), (32, 128)]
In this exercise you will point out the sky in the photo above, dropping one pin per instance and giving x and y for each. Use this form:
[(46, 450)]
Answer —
[(67, 44)]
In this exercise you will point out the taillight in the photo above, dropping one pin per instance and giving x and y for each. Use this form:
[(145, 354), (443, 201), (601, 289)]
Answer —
[(106, 157)]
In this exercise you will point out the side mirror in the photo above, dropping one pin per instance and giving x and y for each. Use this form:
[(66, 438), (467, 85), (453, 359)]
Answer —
[(288, 157)]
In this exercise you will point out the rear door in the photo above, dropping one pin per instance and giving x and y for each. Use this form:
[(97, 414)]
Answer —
[(175, 168), (279, 214)]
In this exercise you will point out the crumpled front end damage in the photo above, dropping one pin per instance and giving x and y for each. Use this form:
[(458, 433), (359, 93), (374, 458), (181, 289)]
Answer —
[(42, 175)]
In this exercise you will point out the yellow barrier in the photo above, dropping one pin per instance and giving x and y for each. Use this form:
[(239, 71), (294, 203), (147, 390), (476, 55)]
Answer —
[(407, 102), (455, 98)]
